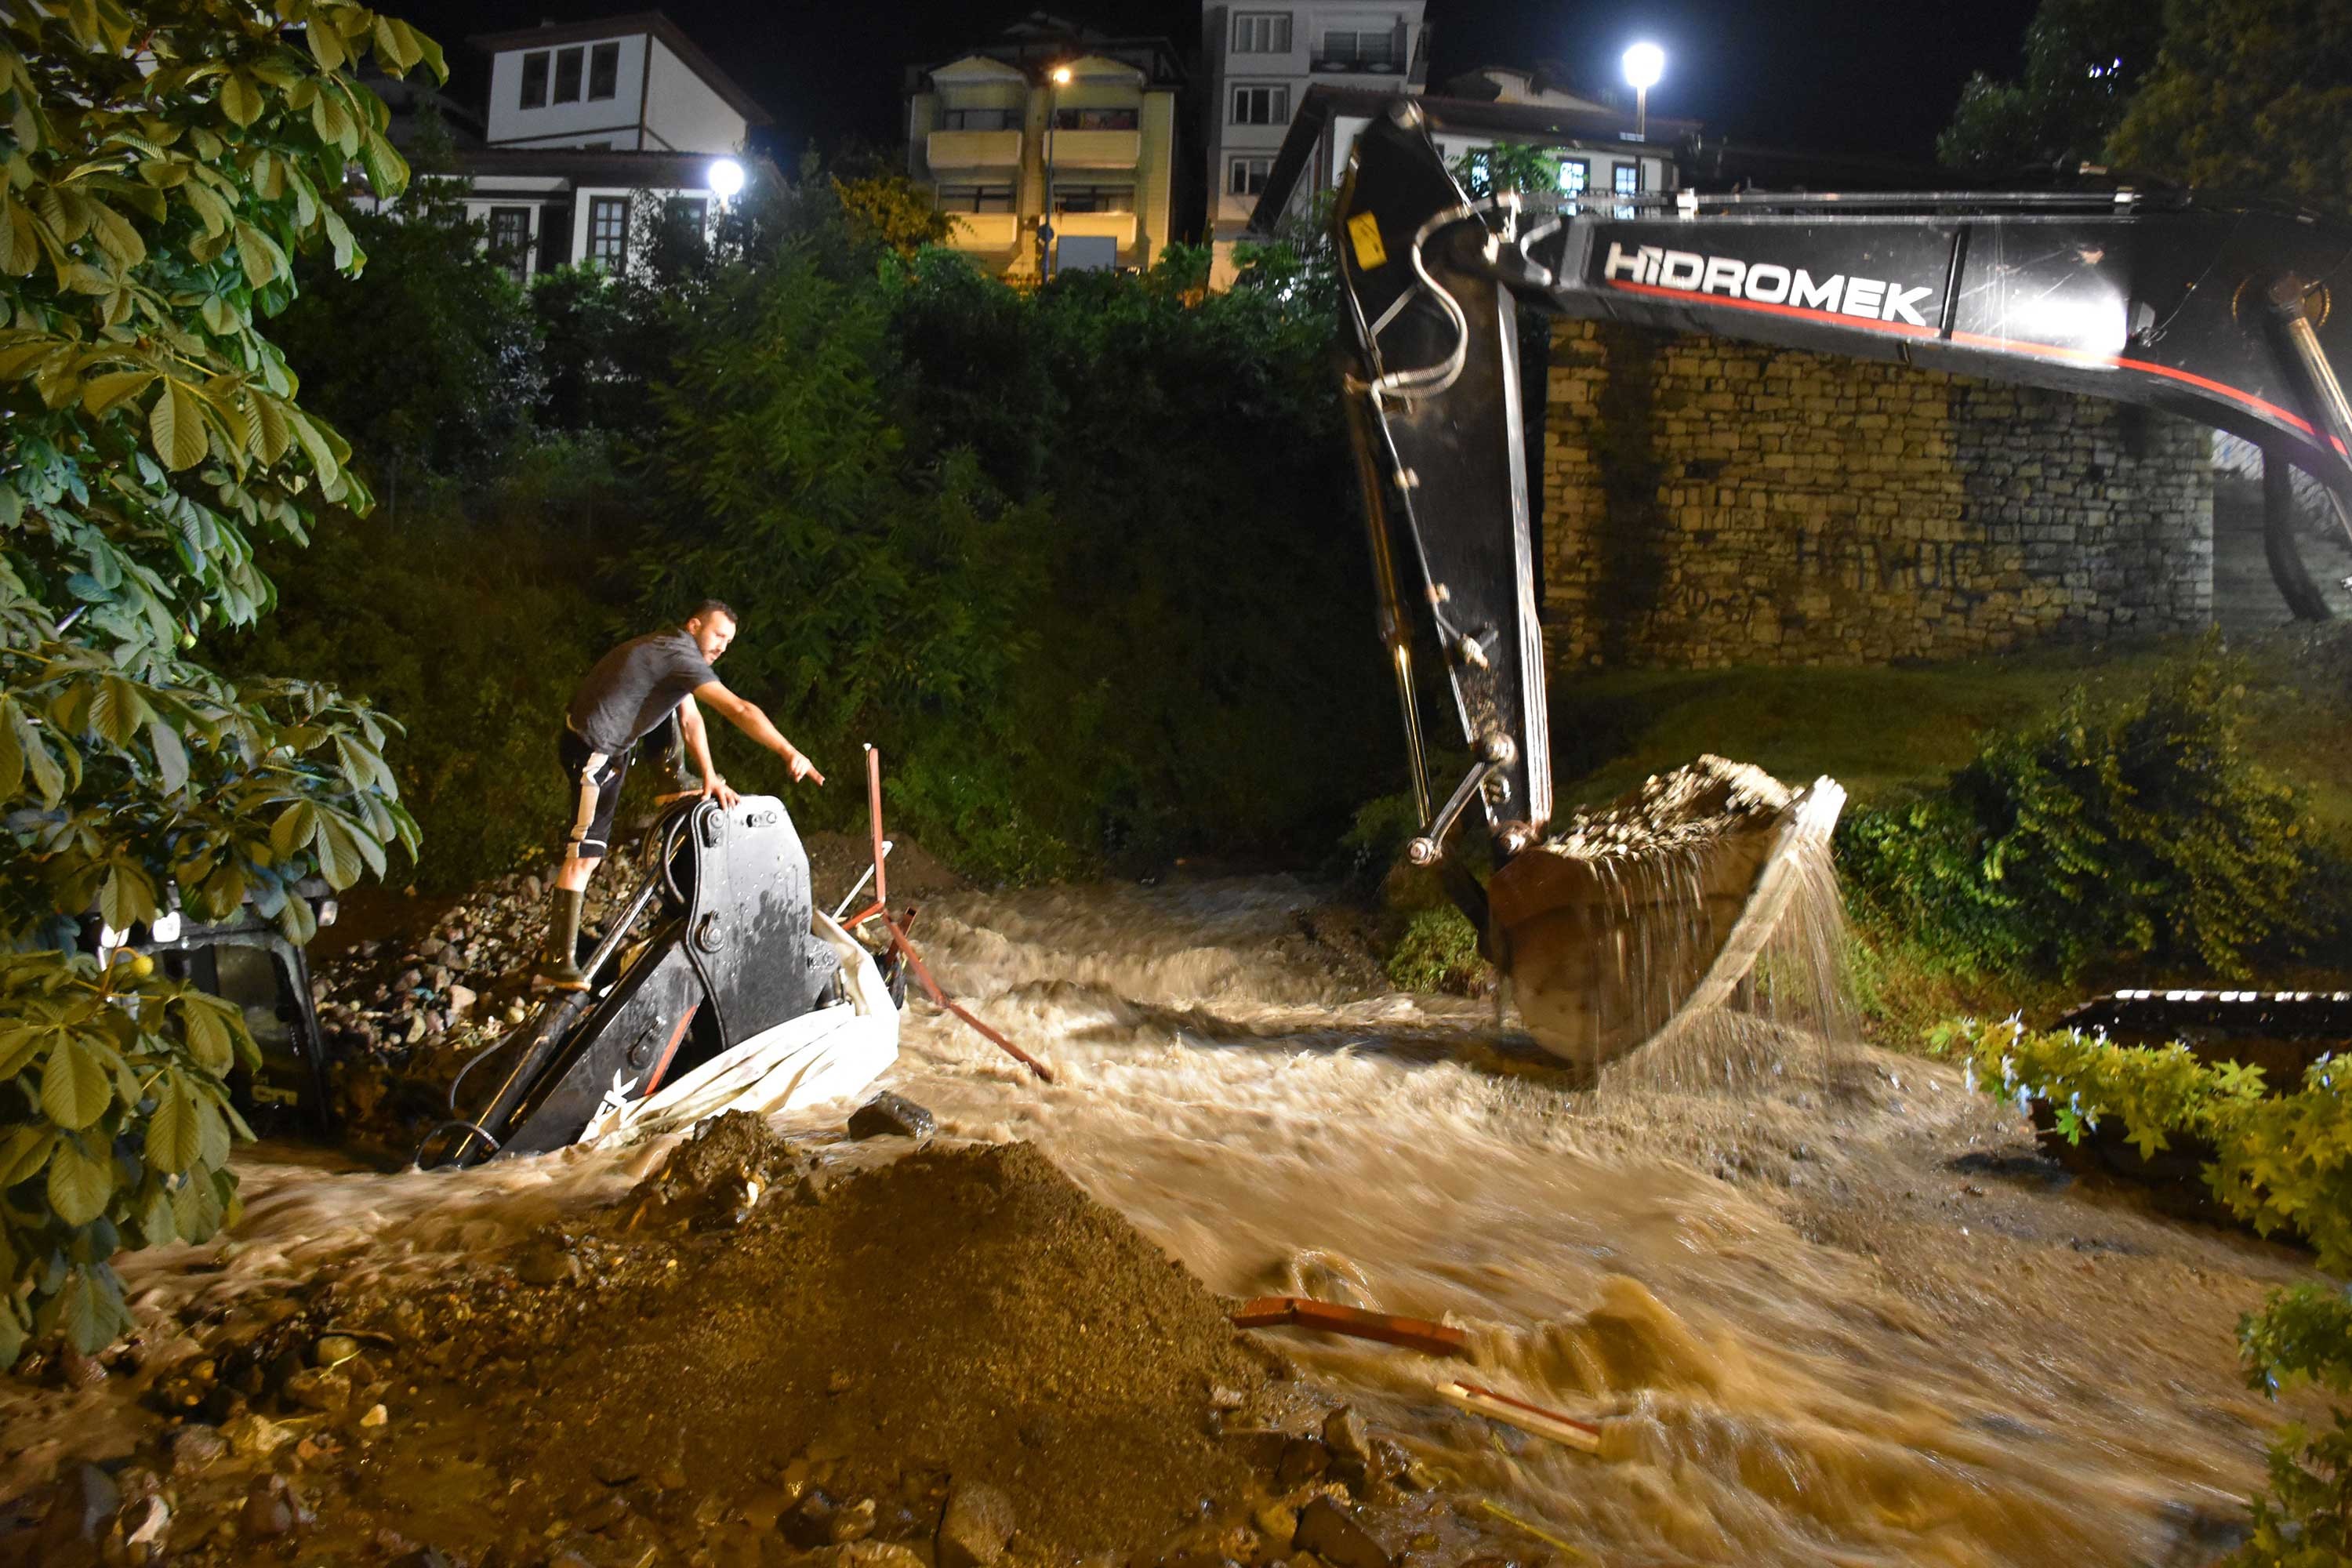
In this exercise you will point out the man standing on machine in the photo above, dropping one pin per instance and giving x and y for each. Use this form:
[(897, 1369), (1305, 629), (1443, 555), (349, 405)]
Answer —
[(632, 690)]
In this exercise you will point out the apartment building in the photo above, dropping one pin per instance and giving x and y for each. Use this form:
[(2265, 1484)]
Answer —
[(1053, 149), (1262, 60)]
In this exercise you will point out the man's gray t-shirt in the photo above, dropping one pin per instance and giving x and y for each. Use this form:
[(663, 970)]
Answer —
[(634, 688)]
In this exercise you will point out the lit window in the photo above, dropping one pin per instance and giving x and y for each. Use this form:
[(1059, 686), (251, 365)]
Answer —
[(1359, 50), (510, 241), (608, 231), (1261, 106), (1627, 180), (567, 75), (1094, 198), (534, 80), (975, 198), (603, 70), (1574, 173), (1247, 176), (1262, 32)]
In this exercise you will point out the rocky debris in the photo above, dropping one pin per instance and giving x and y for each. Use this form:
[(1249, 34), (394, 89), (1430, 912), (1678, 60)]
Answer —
[(888, 1115), (717, 1176), (1698, 803)]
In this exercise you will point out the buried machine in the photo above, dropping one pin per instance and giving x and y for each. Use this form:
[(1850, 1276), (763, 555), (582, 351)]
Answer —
[(1611, 938)]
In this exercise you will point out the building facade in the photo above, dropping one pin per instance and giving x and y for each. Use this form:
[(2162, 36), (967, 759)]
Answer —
[(1261, 62), (1050, 149), (594, 128)]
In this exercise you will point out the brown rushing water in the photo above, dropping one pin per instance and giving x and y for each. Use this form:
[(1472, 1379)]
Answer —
[(1841, 1318)]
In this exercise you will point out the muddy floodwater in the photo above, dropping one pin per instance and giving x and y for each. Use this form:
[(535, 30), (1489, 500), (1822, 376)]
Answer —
[(1844, 1317)]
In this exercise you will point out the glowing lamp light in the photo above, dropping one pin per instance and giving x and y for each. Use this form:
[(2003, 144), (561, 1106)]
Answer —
[(1061, 76), (1645, 64), (725, 179)]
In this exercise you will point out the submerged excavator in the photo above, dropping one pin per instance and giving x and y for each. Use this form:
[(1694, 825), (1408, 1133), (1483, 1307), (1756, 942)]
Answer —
[(1611, 938)]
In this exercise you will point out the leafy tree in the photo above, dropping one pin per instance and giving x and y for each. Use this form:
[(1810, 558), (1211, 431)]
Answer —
[(431, 354), (2249, 95), (892, 211), (163, 165), (1534, 172), (2082, 60)]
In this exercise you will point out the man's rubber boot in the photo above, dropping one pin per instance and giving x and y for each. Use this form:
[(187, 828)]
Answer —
[(559, 967)]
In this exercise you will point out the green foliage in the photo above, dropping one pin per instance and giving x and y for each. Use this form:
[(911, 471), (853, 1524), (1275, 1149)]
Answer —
[(2249, 96), (163, 166), (891, 211), (1438, 950), (115, 1125), (2281, 1162), (2137, 826), (2082, 60), (1533, 172)]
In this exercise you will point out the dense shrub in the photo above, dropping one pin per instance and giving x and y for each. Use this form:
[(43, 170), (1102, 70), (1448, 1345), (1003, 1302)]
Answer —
[(2136, 827)]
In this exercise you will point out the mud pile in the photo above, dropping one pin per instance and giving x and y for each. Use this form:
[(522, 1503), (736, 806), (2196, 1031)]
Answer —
[(1689, 807), (954, 1359)]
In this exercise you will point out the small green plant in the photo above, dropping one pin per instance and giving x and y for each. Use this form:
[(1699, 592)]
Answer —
[(2136, 829), (2281, 1162), (1438, 950)]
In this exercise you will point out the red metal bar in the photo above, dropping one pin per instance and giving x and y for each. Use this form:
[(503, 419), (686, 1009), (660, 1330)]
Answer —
[(931, 988), (874, 815), (1306, 1312)]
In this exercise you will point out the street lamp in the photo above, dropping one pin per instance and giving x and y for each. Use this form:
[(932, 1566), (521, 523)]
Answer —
[(1059, 77), (1645, 64), (725, 179)]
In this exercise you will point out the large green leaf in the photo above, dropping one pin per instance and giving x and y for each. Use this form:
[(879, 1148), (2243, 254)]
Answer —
[(171, 756), (116, 710), (197, 1206), (81, 1183), (47, 777), (175, 427), (88, 1311), (127, 898), (173, 1138), (294, 829), (75, 1087), (25, 1150), (240, 99), (208, 1035)]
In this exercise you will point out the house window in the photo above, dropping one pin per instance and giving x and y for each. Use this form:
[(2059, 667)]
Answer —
[(1628, 182), (510, 241), (1261, 106), (1247, 176), (567, 75), (534, 80), (1365, 49), (1575, 173), (603, 70), (975, 198), (1262, 32), (1094, 198), (976, 120), (608, 231), (1093, 119), (692, 213)]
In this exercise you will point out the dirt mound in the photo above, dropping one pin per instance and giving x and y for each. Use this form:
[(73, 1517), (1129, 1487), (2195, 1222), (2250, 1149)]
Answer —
[(956, 1353), (1697, 803), (837, 860)]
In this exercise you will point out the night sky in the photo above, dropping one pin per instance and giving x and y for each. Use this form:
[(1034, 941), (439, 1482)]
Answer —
[(1820, 75)]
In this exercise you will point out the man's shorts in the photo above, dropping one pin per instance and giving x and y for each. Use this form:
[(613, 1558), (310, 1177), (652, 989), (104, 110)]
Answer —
[(596, 791)]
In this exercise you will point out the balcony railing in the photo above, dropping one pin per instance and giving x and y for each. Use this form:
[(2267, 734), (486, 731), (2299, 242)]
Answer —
[(973, 148), (984, 231), (1094, 149)]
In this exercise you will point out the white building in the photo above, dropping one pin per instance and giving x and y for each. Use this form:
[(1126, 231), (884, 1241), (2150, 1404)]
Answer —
[(1261, 60), (587, 123)]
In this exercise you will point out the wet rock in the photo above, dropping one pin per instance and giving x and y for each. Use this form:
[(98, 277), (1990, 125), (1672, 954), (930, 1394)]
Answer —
[(1303, 1459), (76, 1370), (196, 1449), (333, 1350), (142, 1525), (864, 1554), (888, 1115), (1344, 1435), (410, 979), (320, 1389), (809, 1525), (855, 1522), (614, 1469), (1331, 1533), (1279, 1523), (252, 1435), (462, 999), (973, 1530), (376, 1416)]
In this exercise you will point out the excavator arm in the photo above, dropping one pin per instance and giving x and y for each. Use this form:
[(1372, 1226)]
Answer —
[(2220, 314)]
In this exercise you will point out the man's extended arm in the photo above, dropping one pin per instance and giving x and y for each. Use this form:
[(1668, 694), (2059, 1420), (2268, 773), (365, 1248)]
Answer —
[(747, 717), (698, 746)]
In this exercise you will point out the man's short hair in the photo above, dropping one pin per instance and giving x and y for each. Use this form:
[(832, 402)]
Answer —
[(713, 607)]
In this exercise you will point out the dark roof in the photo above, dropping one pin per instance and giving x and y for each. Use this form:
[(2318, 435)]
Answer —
[(651, 23), (1536, 123), (1543, 76), (615, 169), (1040, 39)]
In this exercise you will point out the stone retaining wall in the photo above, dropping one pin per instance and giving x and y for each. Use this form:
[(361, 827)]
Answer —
[(1710, 502)]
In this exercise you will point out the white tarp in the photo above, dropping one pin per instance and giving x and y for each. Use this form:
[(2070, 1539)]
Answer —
[(830, 1054)]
